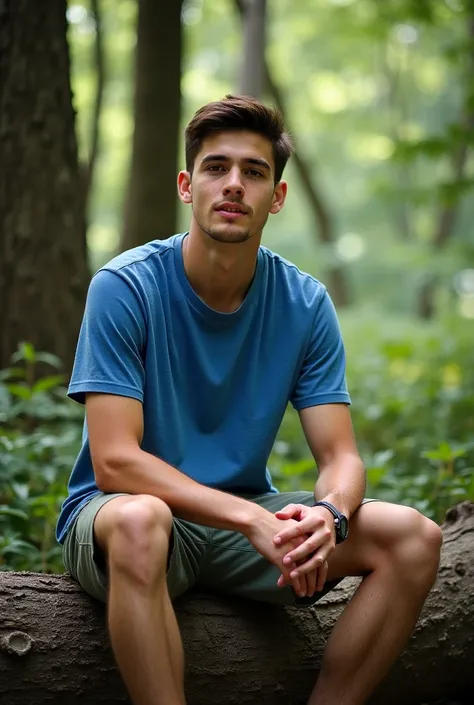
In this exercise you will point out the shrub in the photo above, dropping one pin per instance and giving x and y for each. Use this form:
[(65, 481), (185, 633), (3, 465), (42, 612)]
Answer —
[(40, 432), (412, 389)]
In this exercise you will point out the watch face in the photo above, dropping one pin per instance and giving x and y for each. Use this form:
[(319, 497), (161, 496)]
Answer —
[(343, 527)]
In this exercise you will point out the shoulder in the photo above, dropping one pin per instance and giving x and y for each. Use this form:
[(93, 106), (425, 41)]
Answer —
[(140, 259), (302, 287)]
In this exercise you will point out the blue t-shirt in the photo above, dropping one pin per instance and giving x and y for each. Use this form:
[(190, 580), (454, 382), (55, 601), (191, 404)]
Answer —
[(214, 386)]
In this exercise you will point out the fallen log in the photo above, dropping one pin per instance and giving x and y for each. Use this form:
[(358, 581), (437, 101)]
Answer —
[(54, 648)]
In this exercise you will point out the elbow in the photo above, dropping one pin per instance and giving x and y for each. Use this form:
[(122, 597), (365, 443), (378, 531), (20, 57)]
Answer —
[(102, 479), (109, 471)]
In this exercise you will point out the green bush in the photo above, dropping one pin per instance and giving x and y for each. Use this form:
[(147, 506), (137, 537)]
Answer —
[(40, 432), (412, 389)]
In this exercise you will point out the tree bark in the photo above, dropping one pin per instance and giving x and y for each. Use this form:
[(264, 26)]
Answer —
[(54, 648), (43, 254), (151, 201), (252, 79)]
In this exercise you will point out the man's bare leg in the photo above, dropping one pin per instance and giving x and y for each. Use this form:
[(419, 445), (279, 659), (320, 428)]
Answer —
[(135, 531), (400, 550)]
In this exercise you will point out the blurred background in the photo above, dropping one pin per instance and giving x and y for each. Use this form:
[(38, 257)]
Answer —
[(379, 98)]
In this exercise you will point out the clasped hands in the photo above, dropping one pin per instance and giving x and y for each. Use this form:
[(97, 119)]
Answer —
[(311, 541)]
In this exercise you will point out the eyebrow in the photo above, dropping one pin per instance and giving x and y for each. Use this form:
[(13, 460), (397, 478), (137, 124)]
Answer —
[(246, 160)]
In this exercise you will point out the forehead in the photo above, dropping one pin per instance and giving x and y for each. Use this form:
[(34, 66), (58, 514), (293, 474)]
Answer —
[(238, 145)]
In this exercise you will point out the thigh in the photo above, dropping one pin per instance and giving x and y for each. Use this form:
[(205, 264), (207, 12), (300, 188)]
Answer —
[(235, 567), (375, 530), (84, 554)]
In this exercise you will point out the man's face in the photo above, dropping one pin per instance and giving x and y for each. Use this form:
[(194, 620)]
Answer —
[(232, 187)]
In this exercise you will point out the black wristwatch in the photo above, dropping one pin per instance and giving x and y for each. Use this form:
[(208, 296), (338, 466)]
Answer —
[(340, 521)]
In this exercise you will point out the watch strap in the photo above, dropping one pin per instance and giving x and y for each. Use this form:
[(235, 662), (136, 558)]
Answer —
[(338, 516)]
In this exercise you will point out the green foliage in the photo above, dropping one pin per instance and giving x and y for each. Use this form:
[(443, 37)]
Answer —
[(412, 390), (40, 431)]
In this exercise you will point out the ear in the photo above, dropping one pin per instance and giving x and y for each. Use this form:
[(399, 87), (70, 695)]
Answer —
[(279, 196), (184, 187)]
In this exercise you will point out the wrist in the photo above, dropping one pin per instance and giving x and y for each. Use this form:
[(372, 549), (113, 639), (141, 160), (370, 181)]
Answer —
[(339, 520), (249, 518), (337, 501)]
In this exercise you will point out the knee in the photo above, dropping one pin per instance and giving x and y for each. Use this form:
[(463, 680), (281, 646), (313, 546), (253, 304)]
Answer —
[(139, 543), (418, 549)]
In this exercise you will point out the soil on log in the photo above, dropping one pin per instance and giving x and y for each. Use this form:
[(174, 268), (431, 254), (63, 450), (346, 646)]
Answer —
[(54, 647)]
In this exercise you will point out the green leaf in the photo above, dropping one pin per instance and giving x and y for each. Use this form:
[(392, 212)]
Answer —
[(12, 373), (46, 383), (49, 359), (19, 390), (25, 352), (8, 511)]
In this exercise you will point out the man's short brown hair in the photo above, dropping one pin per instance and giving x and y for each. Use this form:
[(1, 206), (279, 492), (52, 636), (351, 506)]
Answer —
[(239, 113)]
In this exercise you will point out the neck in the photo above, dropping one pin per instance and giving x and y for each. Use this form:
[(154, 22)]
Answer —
[(220, 273)]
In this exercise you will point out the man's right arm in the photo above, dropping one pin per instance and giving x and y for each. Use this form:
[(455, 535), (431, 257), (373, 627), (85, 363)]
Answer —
[(115, 426)]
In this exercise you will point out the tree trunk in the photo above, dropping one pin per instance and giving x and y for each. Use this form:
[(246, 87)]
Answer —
[(54, 648), (99, 65), (446, 224), (324, 225), (43, 253), (151, 202), (252, 79), (447, 219), (253, 12)]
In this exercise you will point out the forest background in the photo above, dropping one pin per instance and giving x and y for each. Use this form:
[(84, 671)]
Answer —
[(379, 98)]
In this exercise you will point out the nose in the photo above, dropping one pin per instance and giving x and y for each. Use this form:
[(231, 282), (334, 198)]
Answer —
[(233, 184)]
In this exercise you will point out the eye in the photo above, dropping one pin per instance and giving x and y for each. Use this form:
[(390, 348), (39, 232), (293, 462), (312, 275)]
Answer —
[(215, 168), (254, 172)]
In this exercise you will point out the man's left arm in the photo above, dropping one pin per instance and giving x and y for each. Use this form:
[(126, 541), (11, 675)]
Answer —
[(341, 482), (329, 433)]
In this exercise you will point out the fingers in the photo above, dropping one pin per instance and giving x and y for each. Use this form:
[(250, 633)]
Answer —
[(322, 542), (287, 512), (315, 563), (322, 575), (312, 580), (306, 584), (298, 583), (303, 584), (291, 533), (285, 579)]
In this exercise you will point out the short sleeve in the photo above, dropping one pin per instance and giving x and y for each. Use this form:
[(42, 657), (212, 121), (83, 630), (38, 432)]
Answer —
[(322, 377), (109, 355)]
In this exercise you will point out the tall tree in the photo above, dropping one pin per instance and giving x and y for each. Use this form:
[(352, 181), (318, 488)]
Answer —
[(252, 13), (43, 253), (459, 147), (99, 61), (252, 78), (151, 201)]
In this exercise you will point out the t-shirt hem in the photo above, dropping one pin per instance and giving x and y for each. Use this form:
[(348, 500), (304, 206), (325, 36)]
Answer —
[(78, 391), (319, 399)]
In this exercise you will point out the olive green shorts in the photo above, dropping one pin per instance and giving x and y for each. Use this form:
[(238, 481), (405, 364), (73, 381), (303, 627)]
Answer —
[(201, 557)]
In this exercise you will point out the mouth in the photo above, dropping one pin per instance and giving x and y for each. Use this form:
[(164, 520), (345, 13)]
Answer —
[(230, 211)]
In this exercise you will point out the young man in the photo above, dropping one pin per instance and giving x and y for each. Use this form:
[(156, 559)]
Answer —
[(189, 352)]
